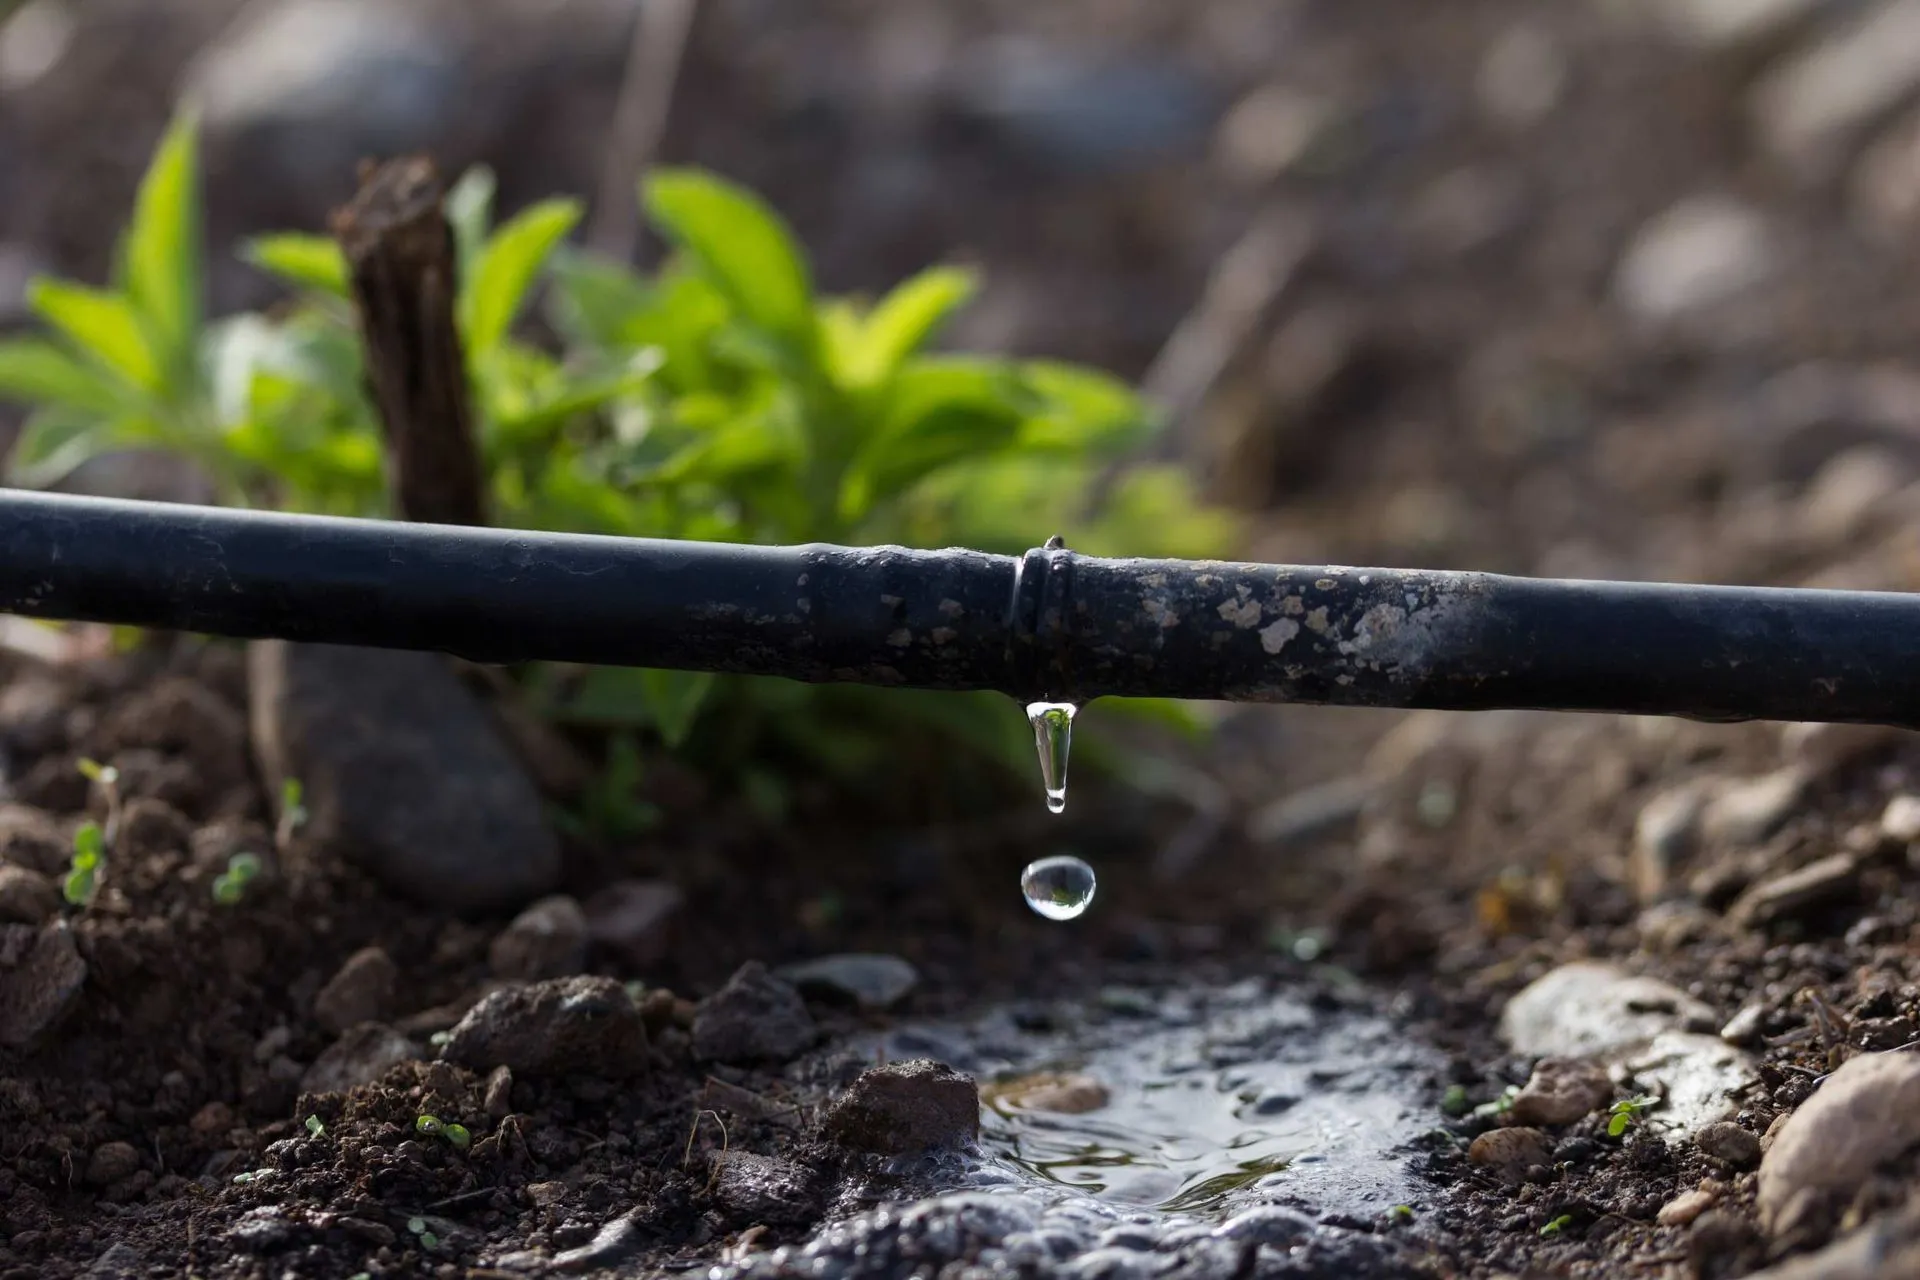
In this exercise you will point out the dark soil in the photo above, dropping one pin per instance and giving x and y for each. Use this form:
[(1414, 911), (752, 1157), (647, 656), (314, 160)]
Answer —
[(1449, 381)]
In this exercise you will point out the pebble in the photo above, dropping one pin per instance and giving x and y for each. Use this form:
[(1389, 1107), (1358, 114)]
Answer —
[(585, 1026), (362, 991), (26, 897), (360, 1056), (1512, 1152), (1868, 1111), (755, 1017), (1750, 810), (214, 1118), (615, 1242), (759, 1188), (1588, 1010), (1729, 1143), (634, 919), (41, 977), (1662, 834), (874, 982), (905, 1108), (1901, 819), (1788, 896), (1270, 131), (1685, 1207), (112, 1161), (1702, 251), (1809, 110), (1561, 1091), (1073, 1093), (1522, 76), (547, 940), (1744, 1028), (405, 773)]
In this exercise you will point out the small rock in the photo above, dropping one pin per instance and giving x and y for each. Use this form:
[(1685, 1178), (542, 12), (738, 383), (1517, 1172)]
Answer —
[(1696, 1077), (905, 1108), (499, 1099), (121, 1261), (1685, 1207), (1851, 491), (1586, 1010), (214, 1118), (112, 1161), (1270, 131), (1269, 1224), (566, 1026), (869, 981), (1810, 110), (33, 715), (614, 1243), (362, 991), (546, 1194), (1886, 1248), (1749, 811), (360, 1056), (1512, 1152), (1074, 1093), (757, 1188), (1662, 835), (404, 773), (547, 940), (26, 897), (1729, 1143), (1867, 1112), (1561, 1091), (41, 976), (634, 919), (1797, 892), (1522, 76), (1703, 251), (755, 1016), (1745, 1027), (1901, 819)]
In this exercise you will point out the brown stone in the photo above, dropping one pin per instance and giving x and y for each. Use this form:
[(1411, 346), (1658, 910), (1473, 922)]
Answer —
[(1561, 1091), (904, 1108)]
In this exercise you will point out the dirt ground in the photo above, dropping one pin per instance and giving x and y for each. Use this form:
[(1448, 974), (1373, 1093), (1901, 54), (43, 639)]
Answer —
[(1587, 295)]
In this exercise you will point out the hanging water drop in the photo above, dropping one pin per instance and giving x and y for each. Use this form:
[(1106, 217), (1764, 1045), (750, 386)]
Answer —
[(1058, 888), (1053, 737)]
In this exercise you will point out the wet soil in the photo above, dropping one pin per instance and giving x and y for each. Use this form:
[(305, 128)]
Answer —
[(1453, 379)]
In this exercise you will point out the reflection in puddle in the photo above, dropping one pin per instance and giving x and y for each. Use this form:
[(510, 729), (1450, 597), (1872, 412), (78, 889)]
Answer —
[(1198, 1104)]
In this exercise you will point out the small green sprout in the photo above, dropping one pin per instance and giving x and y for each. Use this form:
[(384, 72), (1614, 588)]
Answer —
[(1401, 1213), (1558, 1225), (418, 1226), (434, 1127), (314, 1126), (105, 775), (293, 812), (1499, 1106), (429, 1125), (252, 1175), (231, 885), (440, 1039), (1625, 1113), (1454, 1101), (457, 1135), (89, 856)]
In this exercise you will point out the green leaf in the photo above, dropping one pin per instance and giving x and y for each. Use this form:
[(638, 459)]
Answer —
[(55, 441), (674, 698), (89, 844), (506, 269), (1083, 411), (593, 301), (38, 373), (162, 248), (103, 325), (906, 320), (741, 245), (469, 210), (941, 412), (307, 262), (579, 396)]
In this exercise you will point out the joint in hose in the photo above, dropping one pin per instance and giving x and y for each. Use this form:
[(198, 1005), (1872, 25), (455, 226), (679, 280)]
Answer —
[(1040, 623)]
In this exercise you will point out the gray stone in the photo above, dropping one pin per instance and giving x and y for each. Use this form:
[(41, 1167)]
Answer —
[(547, 940), (757, 1188), (1811, 110), (1865, 1113), (26, 897), (1787, 896), (634, 919), (1744, 1028), (1701, 252), (1522, 76), (41, 976), (1729, 1143), (567, 1026), (404, 773), (1697, 1078), (1887, 1248), (868, 980), (1748, 811), (1901, 819), (1561, 1091), (614, 1243), (1662, 834), (1685, 1207), (362, 991), (360, 1056), (754, 1017), (1512, 1152), (905, 1108)]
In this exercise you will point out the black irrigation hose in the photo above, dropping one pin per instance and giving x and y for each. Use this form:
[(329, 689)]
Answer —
[(1047, 624)]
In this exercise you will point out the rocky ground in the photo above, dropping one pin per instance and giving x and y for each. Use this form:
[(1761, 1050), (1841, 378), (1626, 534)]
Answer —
[(1614, 288)]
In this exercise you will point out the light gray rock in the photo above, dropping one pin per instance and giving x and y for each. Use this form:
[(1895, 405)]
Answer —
[(1512, 1152), (1730, 1144), (870, 981), (1793, 893), (1809, 111), (1701, 252), (1866, 1112), (1747, 811), (404, 773), (1662, 834)]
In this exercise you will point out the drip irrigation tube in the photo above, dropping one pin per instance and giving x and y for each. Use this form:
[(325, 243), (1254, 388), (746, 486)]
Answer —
[(1049, 624)]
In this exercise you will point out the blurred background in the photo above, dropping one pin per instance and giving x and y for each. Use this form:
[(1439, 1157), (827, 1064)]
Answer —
[(1591, 288)]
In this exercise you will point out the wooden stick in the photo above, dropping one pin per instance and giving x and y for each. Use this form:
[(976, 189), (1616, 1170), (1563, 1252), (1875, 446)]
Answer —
[(400, 253)]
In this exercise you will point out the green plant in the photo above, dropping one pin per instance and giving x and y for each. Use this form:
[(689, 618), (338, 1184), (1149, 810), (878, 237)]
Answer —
[(1497, 1107), (107, 779), (89, 861), (1558, 1225), (722, 398), (293, 813), (314, 1126), (230, 886), (1625, 1113), (434, 1127)]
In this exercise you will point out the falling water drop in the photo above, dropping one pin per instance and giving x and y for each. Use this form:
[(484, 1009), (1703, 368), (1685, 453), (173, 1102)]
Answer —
[(1058, 888), (1053, 738)]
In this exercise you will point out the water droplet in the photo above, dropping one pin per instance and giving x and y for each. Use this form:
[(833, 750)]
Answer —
[(1053, 737), (1058, 888)]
